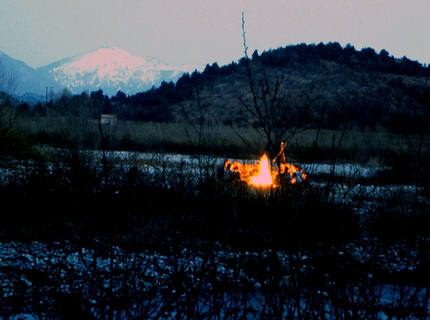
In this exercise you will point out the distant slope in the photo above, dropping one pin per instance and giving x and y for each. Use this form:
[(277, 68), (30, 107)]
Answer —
[(325, 82), (18, 78), (112, 70)]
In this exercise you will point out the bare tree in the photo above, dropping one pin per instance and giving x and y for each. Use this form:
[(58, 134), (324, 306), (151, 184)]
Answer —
[(199, 123), (200, 132), (276, 119)]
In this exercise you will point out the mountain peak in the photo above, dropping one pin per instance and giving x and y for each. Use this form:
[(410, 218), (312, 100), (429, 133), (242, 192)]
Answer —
[(104, 60), (112, 69)]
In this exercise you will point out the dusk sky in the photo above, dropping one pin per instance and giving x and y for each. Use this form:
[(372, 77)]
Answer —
[(197, 32)]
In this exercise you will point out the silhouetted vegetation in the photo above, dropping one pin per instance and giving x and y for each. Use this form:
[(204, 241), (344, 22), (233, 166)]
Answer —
[(326, 82), (93, 232), (125, 237), (366, 59)]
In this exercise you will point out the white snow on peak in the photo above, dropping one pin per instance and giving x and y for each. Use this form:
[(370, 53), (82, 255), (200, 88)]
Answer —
[(113, 69)]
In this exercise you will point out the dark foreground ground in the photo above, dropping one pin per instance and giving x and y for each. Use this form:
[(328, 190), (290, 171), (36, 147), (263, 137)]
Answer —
[(147, 236)]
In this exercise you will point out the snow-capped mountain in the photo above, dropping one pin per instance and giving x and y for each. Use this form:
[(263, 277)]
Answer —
[(111, 69)]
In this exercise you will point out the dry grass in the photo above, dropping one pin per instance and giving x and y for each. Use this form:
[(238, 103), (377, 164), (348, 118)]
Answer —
[(223, 139)]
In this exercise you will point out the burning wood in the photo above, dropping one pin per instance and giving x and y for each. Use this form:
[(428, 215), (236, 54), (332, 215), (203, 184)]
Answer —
[(265, 173)]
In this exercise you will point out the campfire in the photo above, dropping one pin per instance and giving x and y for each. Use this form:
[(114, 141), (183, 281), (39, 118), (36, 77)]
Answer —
[(267, 173)]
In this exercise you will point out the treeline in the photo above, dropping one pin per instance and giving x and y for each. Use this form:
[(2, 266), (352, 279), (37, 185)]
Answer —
[(152, 105), (390, 99), (366, 59)]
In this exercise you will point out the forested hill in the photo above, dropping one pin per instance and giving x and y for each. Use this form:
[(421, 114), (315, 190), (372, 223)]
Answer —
[(323, 83), (366, 59)]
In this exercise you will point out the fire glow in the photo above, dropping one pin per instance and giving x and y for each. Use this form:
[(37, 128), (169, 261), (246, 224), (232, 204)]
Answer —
[(266, 174), (264, 177)]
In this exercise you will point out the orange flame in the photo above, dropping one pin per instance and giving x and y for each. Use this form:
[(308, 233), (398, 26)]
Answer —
[(264, 178), (293, 171), (265, 175)]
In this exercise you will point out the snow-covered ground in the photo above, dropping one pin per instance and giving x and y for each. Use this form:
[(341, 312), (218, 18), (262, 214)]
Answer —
[(340, 169), (37, 272), (43, 270), (362, 197), (161, 160)]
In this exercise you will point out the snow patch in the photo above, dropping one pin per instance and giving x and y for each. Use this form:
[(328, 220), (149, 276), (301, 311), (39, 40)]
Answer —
[(113, 69)]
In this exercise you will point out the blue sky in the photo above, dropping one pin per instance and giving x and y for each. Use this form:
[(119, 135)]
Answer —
[(200, 31)]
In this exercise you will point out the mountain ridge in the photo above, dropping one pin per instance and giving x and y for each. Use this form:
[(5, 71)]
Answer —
[(21, 79), (110, 69), (319, 84)]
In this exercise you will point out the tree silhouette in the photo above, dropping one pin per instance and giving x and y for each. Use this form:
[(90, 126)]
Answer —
[(267, 104)]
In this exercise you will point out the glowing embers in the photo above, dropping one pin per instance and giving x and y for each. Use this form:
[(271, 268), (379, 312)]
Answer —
[(266, 174)]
